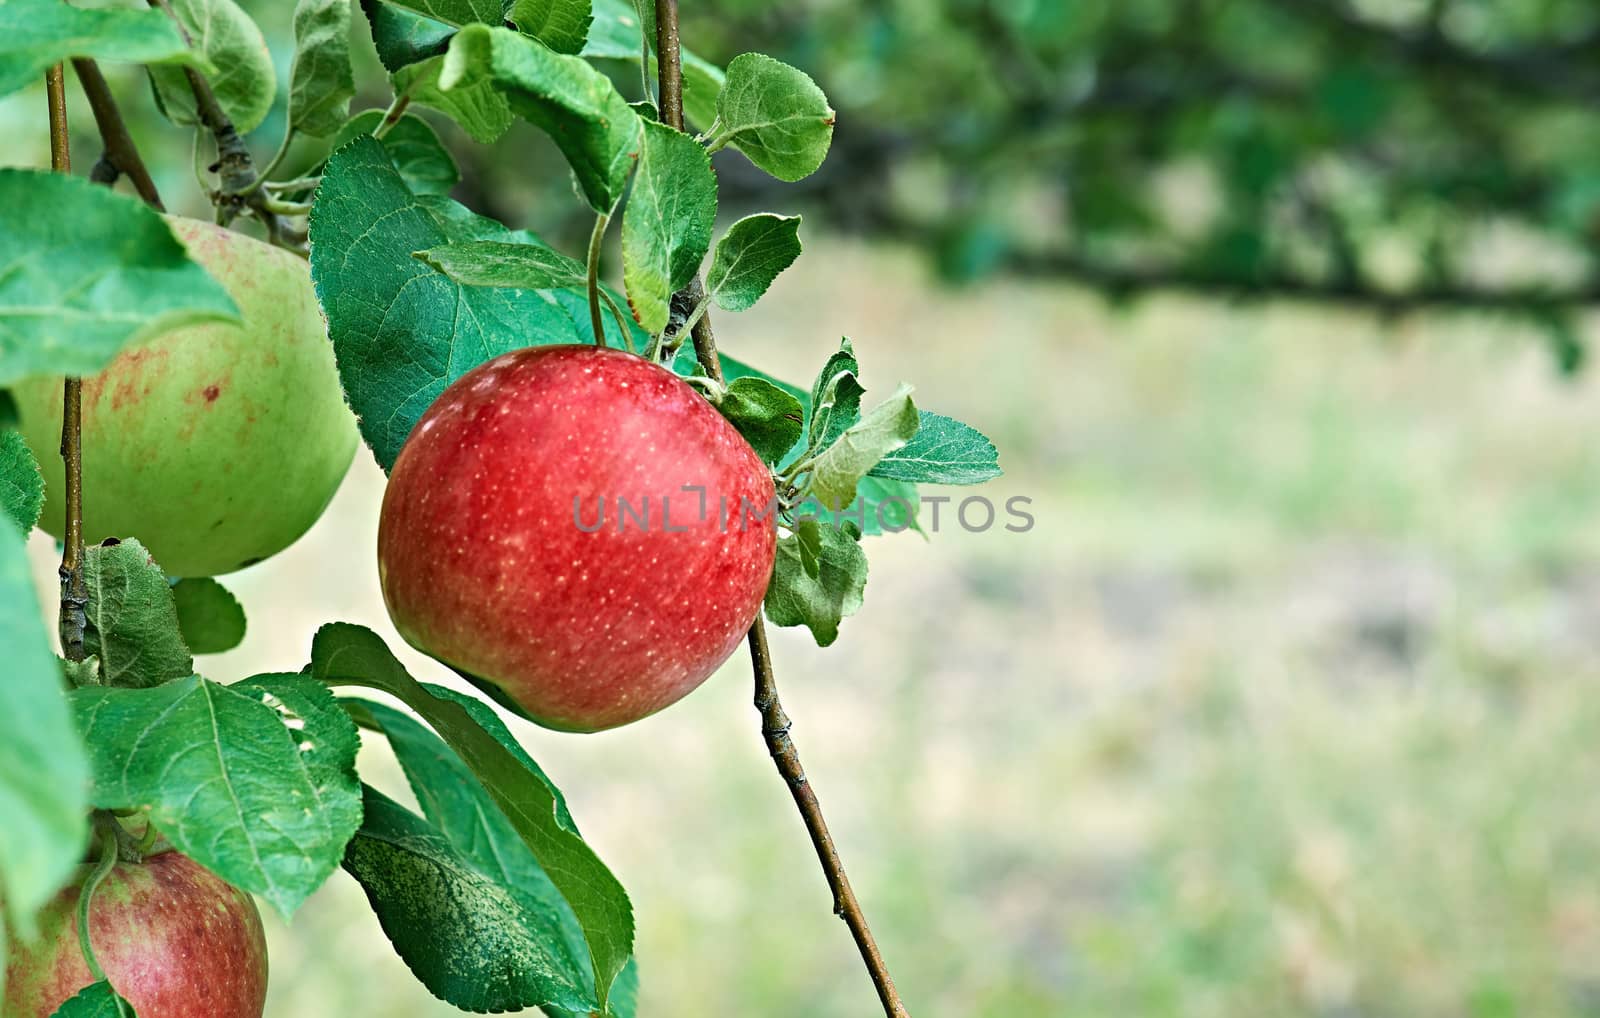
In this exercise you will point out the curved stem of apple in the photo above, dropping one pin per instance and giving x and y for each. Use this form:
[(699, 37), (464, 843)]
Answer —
[(597, 239), (109, 851)]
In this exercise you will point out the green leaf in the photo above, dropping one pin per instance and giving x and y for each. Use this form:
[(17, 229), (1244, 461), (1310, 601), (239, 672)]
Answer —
[(38, 34), (818, 597), (472, 940), (496, 263), (943, 451), (43, 773), (564, 96), (244, 81), (457, 12), (402, 331), (835, 398), (478, 107), (615, 36), (254, 781), (420, 157), (345, 654), (87, 272), (622, 1003), (880, 431), (769, 418), (667, 225), (132, 619), (776, 115), (97, 1000), (563, 25), (321, 82), (402, 37), (8, 409), (210, 618), (750, 256), (21, 483)]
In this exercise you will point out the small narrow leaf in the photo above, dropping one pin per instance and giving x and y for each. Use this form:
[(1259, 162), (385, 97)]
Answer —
[(210, 618), (37, 34), (132, 619), (420, 157), (563, 25), (881, 430), (943, 451), (21, 483), (843, 360), (769, 418), (321, 82), (228, 38), (819, 594), (477, 106), (404, 37), (750, 256), (496, 263), (667, 225), (776, 115), (87, 272), (97, 1000)]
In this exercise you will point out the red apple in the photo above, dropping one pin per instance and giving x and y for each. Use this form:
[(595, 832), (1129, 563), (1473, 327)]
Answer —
[(173, 939), (580, 529)]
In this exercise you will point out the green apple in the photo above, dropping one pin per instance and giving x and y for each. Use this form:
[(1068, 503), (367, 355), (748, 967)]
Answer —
[(214, 445)]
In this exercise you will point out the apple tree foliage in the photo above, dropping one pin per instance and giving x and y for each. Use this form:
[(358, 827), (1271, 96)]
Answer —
[(490, 895)]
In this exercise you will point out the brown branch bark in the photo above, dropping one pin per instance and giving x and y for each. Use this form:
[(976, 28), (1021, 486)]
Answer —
[(775, 723), (121, 155)]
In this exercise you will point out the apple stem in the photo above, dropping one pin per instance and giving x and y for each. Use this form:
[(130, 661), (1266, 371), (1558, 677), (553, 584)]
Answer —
[(109, 853), (775, 723), (121, 154), (597, 238)]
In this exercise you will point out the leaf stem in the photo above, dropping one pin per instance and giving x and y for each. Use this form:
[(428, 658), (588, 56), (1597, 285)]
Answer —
[(392, 115), (109, 852), (775, 723), (596, 241), (120, 152)]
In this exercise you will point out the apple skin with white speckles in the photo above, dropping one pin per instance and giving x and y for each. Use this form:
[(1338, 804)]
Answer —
[(540, 533), (174, 939)]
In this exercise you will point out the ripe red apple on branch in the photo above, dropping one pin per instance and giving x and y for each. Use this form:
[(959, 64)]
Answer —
[(579, 528), (173, 939)]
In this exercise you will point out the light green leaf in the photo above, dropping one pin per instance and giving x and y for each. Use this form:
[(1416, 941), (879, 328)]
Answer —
[(423, 161), (402, 37), (563, 25), (750, 256), (321, 81), (21, 483), (820, 596), (44, 776), (769, 418), (496, 263), (880, 431), (776, 115), (210, 618), (943, 451), (97, 1000), (88, 272), (575, 104), (350, 655), (37, 34), (255, 781), (478, 107), (457, 12), (132, 620), (667, 225), (244, 81), (842, 360)]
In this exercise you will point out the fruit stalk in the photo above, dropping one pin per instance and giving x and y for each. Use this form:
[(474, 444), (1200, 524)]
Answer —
[(775, 723)]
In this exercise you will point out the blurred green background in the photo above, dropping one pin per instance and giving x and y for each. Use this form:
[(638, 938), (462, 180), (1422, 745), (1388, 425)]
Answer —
[(1287, 706)]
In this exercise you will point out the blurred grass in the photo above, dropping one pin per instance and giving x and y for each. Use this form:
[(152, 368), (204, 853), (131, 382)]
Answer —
[(1286, 706)]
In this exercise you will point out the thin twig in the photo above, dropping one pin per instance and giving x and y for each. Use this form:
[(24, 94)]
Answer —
[(121, 153), (775, 723)]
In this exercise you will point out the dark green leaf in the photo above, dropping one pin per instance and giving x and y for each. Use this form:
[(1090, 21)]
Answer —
[(835, 398), (750, 256), (403, 37), (37, 34), (255, 781), (345, 654), (667, 225), (776, 115), (97, 1000), (457, 12), (880, 431), (769, 418), (818, 598), (420, 157), (245, 80), (943, 451), (564, 96), (132, 620), (21, 484), (496, 263), (478, 107), (321, 81), (8, 409), (211, 618), (43, 772), (563, 25), (88, 272), (624, 999)]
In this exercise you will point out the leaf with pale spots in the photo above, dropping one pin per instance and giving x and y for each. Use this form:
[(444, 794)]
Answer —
[(768, 417), (776, 115), (666, 227), (749, 257), (837, 469), (818, 593), (209, 616), (97, 1000), (21, 483), (254, 781), (131, 618), (351, 655), (402, 331)]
